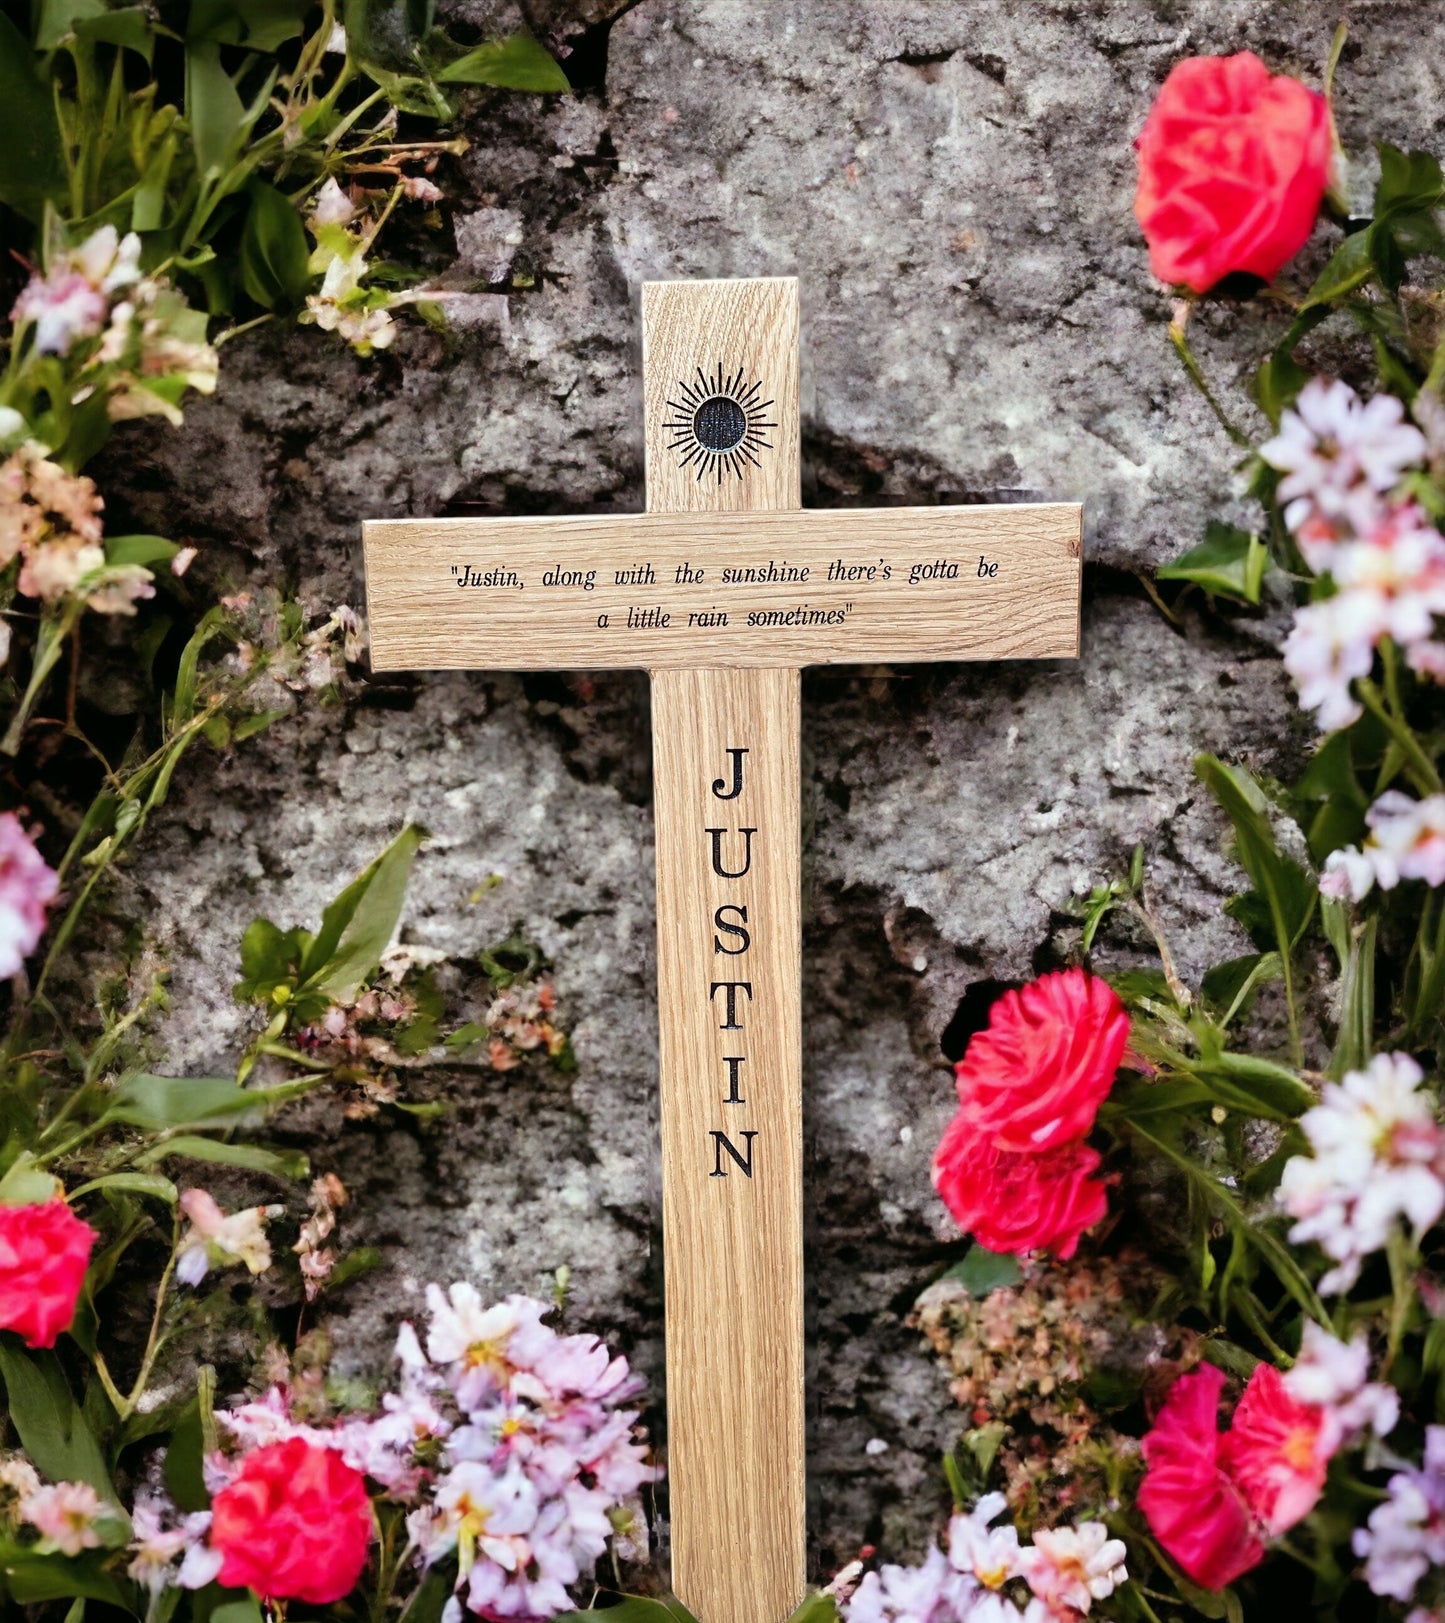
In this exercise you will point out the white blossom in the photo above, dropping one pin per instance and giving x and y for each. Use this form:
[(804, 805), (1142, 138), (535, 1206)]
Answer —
[(1333, 1375), (1378, 1157), (1406, 841)]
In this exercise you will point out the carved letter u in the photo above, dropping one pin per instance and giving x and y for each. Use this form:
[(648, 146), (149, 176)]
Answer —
[(717, 862)]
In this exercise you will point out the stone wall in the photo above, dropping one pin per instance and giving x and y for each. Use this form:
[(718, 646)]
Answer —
[(952, 184)]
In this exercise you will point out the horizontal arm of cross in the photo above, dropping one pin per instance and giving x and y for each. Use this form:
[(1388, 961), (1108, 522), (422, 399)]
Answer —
[(694, 590)]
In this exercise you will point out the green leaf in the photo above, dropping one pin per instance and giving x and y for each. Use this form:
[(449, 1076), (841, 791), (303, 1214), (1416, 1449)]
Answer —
[(982, 1271), (518, 63), (1409, 181), (30, 1578), (634, 1609), (1277, 383), (358, 926), (26, 1184), (52, 1428), (274, 250), (1228, 986), (238, 1611), (158, 1103), (1228, 561), (132, 1183), (57, 18), (32, 160), (139, 549), (1290, 894), (129, 27), (817, 1608), (363, 1260), (270, 957), (214, 109), (183, 1470), (255, 1158), (1278, 1089), (1351, 266), (261, 24)]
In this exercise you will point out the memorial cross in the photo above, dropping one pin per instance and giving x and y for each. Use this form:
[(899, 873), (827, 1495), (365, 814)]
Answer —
[(723, 589)]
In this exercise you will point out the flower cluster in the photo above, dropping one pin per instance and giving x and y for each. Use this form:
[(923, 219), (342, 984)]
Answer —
[(520, 1019), (1404, 1539), (50, 520), (1378, 1156), (542, 1459), (73, 301), (1023, 1357), (1214, 1499), (988, 1576), (131, 337), (1013, 1166), (508, 1443), (1343, 460)]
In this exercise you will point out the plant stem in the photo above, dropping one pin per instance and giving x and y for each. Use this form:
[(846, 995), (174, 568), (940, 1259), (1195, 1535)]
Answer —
[(153, 1341), (1426, 777), (1196, 375)]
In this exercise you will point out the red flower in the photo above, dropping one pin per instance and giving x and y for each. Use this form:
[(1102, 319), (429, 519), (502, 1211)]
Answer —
[(1192, 1507), (1277, 1451), (1012, 1202), (1211, 1499), (1036, 1077), (294, 1523), (44, 1252), (1232, 167)]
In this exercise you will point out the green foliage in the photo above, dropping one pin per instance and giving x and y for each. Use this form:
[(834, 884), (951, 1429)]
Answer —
[(305, 974), (52, 1427), (982, 1271), (1229, 562)]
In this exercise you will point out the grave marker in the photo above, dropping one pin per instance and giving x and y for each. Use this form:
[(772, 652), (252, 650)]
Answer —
[(723, 590)]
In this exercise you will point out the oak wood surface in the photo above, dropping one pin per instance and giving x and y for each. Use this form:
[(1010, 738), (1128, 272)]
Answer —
[(422, 617), (732, 1244), (730, 340)]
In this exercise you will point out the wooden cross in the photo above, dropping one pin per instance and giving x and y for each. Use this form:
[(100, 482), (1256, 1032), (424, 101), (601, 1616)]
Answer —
[(723, 590)]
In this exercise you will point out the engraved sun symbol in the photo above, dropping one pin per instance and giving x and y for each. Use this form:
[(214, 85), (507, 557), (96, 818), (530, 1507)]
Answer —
[(719, 424)]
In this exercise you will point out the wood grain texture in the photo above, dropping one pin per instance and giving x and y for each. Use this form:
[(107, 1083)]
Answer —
[(733, 1243), (727, 341), (421, 617)]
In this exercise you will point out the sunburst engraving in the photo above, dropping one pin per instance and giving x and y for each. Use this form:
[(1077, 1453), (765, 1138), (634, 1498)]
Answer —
[(719, 424)]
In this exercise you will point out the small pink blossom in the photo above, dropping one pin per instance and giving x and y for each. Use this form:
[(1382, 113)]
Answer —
[(1069, 1568), (72, 300), (27, 887), (65, 1515), (217, 1239)]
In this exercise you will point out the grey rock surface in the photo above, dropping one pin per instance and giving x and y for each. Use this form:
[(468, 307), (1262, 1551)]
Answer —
[(953, 186)]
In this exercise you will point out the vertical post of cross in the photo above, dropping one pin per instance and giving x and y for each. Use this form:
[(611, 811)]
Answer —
[(721, 386)]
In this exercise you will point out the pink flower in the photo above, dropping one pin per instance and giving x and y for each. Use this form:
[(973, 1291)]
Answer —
[(65, 1516), (44, 1252), (1232, 166), (27, 886), (1277, 1451), (1035, 1078), (295, 1523), (1016, 1203), (1191, 1504), (1212, 1499)]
